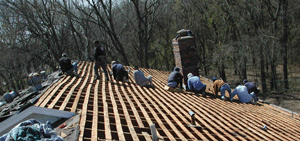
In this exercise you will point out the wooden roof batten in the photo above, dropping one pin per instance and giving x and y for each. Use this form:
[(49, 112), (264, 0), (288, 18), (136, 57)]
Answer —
[(113, 110)]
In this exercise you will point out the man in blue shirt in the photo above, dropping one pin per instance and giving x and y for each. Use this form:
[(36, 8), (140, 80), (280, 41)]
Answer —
[(195, 85), (244, 97), (119, 72), (140, 78)]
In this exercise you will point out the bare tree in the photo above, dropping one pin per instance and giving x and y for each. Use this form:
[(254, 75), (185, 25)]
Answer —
[(145, 16)]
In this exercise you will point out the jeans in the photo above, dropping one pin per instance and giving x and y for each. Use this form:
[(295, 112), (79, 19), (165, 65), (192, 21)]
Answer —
[(172, 84), (201, 90), (224, 88), (149, 82), (101, 61), (73, 69), (254, 98)]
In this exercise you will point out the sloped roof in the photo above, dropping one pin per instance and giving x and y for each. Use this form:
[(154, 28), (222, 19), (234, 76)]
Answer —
[(118, 111)]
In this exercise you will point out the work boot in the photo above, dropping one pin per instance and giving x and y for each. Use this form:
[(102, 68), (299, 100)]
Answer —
[(204, 94), (196, 93)]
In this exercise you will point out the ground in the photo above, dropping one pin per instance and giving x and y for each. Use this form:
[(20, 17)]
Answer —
[(290, 101)]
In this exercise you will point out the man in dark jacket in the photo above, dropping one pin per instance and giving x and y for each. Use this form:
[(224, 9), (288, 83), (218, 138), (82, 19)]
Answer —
[(100, 60), (175, 78), (66, 66), (251, 87), (119, 72)]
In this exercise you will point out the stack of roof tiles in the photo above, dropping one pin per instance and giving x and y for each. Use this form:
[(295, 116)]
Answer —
[(113, 110)]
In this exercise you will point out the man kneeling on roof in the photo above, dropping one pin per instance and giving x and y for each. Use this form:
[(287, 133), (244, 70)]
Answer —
[(251, 87), (66, 66), (119, 72), (195, 85), (175, 78), (244, 97), (220, 85), (140, 78)]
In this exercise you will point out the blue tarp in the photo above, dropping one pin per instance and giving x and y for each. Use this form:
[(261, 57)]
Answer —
[(32, 130)]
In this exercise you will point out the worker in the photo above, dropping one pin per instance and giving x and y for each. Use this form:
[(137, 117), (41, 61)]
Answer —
[(100, 60), (243, 95), (251, 87), (175, 78), (119, 72), (195, 85), (220, 86), (66, 66), (140, 78)]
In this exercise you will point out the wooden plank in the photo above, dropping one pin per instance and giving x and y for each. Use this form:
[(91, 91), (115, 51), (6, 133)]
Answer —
[(161, 103), (84, 111), (95, 114), (44, 103), (54, 86), (77, 98), (53, 89), (108, 135), (203, 122), (147, 136), (161, 95), (125, 110), (134, 110), (158, 120), (66, 100), (116, 114), (61, 93)]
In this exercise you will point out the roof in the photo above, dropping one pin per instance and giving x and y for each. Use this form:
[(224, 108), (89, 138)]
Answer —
[(124, 111)]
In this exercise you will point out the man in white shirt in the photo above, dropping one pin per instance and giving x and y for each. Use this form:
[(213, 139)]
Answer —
[(140, 78), (243, 95)]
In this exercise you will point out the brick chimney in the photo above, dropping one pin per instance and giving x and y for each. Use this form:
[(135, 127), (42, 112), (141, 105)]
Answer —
[(184, 48)]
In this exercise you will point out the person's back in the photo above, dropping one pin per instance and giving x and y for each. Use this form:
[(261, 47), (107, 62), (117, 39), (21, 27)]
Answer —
[(65, 64), (242, 93), (100, 60), (251, 87), (217, 85), (195, 83), (119, 72), (139, 77), (117, 69), (175, 77)]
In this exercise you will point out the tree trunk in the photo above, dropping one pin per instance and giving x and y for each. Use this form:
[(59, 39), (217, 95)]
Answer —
[(284, 41), (273, 76), (262, 71), (222, 72), (244, 69)]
